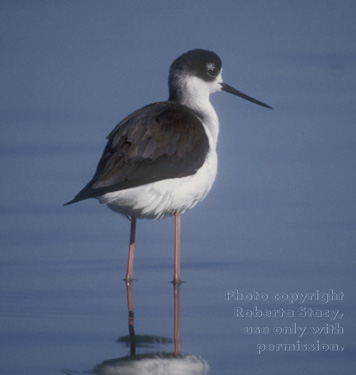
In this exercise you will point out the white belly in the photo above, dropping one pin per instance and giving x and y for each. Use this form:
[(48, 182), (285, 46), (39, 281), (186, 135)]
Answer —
[(166, 197)]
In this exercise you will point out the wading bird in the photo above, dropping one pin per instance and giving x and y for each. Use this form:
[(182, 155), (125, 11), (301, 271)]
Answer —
[(161, 159)]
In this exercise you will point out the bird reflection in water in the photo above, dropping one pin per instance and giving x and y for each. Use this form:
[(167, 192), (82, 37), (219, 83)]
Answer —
[(156, 363)]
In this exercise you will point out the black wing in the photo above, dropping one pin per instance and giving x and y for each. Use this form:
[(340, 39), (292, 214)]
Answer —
[(159, 141)]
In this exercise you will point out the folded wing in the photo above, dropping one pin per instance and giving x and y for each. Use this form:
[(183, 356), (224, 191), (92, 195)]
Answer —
[(160, 141)]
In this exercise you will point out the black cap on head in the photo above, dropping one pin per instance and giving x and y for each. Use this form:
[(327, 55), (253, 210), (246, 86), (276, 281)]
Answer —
[(199, 62)]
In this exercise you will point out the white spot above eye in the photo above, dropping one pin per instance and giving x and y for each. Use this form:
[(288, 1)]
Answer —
[(210, 66)]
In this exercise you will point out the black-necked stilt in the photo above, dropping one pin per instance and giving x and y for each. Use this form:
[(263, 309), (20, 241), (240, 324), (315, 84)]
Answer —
[(161, 159)]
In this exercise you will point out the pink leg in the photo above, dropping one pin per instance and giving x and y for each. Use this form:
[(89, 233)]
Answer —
[(177, 279), (128, 278)]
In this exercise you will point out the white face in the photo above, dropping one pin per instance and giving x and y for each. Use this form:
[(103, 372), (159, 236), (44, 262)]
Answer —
[(199, 87), (218, 81), (197, 91)]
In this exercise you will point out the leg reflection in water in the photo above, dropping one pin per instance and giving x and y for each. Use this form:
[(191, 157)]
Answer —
[(156, 362)]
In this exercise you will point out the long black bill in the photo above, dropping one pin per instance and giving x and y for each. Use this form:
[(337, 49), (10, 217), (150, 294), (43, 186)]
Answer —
[(233, 91)]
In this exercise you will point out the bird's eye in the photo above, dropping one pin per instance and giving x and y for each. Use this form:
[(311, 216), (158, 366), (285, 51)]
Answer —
[(212, 71)]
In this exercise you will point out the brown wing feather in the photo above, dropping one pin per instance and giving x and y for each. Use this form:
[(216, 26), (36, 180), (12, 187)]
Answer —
[(160, 141)]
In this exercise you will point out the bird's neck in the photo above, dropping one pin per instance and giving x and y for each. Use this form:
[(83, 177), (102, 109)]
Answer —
[(197, 98)]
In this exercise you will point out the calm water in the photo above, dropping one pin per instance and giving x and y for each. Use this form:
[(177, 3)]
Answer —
[(71, 316), (277, 227)]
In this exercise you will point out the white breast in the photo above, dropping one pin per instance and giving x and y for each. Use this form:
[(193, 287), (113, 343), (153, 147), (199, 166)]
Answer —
[(159, 199)]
